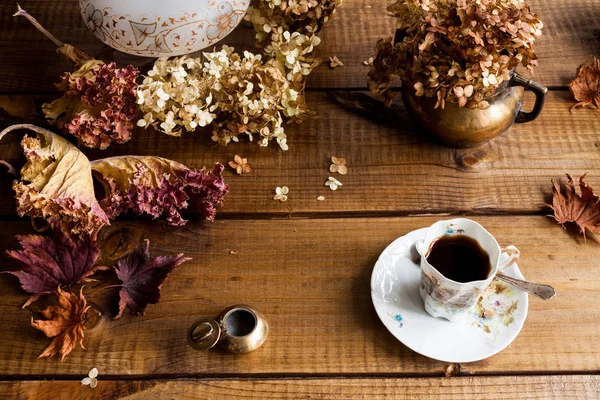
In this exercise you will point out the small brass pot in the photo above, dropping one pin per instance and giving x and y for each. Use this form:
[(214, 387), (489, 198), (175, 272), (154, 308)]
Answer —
[(238, 329), (461, 127)]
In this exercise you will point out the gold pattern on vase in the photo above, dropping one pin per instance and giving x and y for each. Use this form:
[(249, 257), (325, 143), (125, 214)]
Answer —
[(155, 35)]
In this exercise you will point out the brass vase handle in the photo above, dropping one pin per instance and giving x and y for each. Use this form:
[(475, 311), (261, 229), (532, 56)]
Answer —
[(540, 97)]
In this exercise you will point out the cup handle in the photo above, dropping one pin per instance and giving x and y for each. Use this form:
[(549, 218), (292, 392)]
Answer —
[(508, 256), (540, 97)]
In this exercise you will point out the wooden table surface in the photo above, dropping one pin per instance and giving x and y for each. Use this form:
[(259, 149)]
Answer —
[(306, 263)]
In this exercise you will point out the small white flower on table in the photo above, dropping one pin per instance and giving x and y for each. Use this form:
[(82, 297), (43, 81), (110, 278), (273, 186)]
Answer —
[(333, 183), (91, 378), (281, 193)]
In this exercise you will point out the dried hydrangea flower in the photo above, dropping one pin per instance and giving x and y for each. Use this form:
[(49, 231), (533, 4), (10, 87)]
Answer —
[(240, 165), (333, 183), (239, 95), (456, 50), (98, 103), (98, 106), (286, 30), (339, 165), (281, 194), (335, 62)]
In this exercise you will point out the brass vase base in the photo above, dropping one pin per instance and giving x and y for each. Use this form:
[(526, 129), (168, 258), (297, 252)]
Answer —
[(461, 127)]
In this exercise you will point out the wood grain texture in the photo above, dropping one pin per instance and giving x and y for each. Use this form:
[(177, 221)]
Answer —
[(392, 167), (311, 278), (510, 387), (30, 64)]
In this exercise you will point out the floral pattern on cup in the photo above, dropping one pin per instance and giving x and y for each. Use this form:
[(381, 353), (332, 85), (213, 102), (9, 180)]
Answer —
[(157, 34), (495, 309), (445, 297)]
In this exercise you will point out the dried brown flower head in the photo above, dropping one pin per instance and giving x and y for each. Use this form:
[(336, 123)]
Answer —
[(286, 30), (240, 165), (455, 50), (339, 165), (586, 86), (335, 62)]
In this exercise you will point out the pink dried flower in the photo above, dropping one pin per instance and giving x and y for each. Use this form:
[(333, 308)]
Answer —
[(157, 186), (99, 104)]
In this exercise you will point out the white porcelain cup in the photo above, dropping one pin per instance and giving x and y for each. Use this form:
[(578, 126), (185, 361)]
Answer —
[(449, 299), (162, 28)]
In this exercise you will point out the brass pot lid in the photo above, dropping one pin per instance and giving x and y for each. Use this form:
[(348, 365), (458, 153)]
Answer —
[(204, 334)]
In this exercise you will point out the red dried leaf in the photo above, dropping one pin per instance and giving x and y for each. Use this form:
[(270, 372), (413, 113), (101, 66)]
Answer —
[(64, 322), (582, 209), (50, 262), (143, 277), (586, 86)]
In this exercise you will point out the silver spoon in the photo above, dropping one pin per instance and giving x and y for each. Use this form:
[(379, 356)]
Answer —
[(544, 292)]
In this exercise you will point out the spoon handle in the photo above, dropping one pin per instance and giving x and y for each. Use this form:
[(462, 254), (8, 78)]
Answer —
[(544, 292)]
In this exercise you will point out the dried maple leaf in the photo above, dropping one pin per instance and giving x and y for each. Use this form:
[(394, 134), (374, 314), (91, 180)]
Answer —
[(64, 322), (582, 209), (143, 277), (56, 184), (586, 86), (157, 186), (240, 165), (51, 262)]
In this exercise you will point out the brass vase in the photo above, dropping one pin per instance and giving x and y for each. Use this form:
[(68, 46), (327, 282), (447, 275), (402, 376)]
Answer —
[(461, 127)]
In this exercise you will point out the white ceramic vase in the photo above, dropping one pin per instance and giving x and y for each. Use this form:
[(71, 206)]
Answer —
[(158, 28)]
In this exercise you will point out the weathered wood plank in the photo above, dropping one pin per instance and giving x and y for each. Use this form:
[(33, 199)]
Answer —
[(30, 64), (505, 387), (311, 278), (392, 168)]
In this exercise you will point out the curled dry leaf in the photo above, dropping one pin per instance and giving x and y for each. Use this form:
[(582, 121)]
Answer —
[(582, 209), (64, 322), (51, 262), (143, 277), (586, 86), (157, 186), (240, 165), (56, 184)]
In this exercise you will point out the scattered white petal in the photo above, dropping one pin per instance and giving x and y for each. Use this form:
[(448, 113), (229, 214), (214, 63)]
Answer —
[(333, 183), (281, 193), (321, 198), (91, 380)]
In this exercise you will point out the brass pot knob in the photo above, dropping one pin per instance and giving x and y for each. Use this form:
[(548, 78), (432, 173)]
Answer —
[(237, 329)]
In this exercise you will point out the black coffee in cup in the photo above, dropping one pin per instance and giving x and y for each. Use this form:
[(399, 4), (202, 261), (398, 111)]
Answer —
[(460, 258)]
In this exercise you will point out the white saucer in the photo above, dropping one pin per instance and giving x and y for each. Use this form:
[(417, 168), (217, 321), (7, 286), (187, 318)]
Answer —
[(492, 325)]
